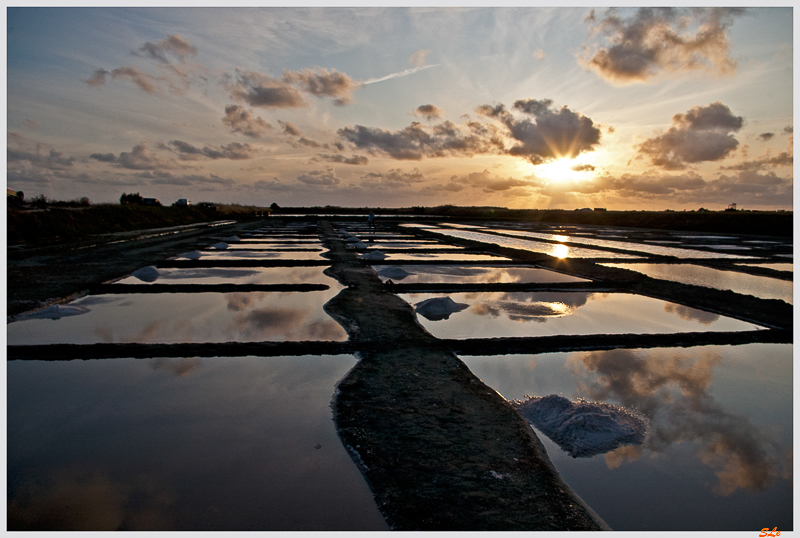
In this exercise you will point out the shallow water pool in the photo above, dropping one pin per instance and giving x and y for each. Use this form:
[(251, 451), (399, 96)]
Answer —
[(243, 443), (519, 314), (431, 274), (244, 275), (718, 454), (758, 286), (187, 317)]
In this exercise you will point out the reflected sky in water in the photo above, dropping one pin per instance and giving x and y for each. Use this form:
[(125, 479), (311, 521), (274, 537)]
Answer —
[(244, 275), (181, 444), (498, 314), (428, 274), (557, 250), (188, 317), (651, 249), (758, 286), (776, 266), (719, 453), (443, 257), (234, 254)]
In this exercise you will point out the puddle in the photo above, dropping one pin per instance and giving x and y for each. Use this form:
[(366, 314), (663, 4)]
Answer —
[(625, 245), (525, 314), (242, 443), (758, 286), (443, 257), (776, 266), (718, 455), (431, 274), (224, 275), (187, 317), (233, 254), (558, 251), (409, 245)]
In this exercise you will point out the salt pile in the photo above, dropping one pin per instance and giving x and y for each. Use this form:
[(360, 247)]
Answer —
[(374, 255), (220, 246), (582, 428), (397, 273), (56, 311), (232, 239), (147, 274), (438, 308), (193, 255)]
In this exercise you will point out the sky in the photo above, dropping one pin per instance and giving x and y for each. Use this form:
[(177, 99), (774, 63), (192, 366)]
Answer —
[(635, 108)]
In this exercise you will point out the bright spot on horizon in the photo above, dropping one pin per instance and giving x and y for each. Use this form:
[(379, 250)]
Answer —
[(560, 170), (560, 251)]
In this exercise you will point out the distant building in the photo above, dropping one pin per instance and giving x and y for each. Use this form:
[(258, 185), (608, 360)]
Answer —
[(599, 208), (150, 201), (182, 202), (584, 209)]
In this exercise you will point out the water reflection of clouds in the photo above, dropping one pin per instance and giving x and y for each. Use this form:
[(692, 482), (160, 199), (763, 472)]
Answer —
[(84, 498), (691, 314), (673, 391), (179, 367)]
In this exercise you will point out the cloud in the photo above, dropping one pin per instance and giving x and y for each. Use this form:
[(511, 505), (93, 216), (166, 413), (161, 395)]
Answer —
[(399, 74), (539, 54), (653, 41), (104, 157), (393, 179), (241, 120), (416, 141), (702, 134), (140, 158), (323, 83), (260, 90), (418, 58), (325, 177), (488, 184), (36, 154), (673, 391), (172, 44), (290, 128), (234, 150), (551, 135), (429, 112), (338, 158), (766, 137), (768, 161)]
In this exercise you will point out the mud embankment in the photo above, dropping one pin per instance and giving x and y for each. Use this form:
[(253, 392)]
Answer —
[(440, 449)]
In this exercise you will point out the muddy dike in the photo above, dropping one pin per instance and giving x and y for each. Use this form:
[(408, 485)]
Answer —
[(41, 276), (440, 449)]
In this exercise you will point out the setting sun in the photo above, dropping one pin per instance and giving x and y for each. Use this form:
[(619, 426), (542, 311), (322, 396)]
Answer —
[(560, 170)]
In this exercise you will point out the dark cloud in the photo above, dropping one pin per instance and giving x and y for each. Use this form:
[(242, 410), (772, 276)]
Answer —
[(553, 133), (788, 129), (241, 120), (260, 90), (40, 158), (416, 141), (234, 150), (325, 177), (702, 134), (146, 83), (323, 83), (393, 179), (98, 78), (656, 40), (210, 180), (289, 128), (172, 44), (783, 158), (104, 157), (583, 168), (31, 124), (766, 137), (140, 158), (429, 112), (339, 158)]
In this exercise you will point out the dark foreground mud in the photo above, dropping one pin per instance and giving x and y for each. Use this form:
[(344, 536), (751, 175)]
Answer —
[(441, 450)]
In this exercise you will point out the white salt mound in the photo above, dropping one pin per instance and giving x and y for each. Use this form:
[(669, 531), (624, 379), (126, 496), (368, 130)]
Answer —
[(582, 428), (193, 255), (232, 239), (438, 308), (147, 274), (352, 239), (395, 272), (56, 311), (374, 255), (220, 246)]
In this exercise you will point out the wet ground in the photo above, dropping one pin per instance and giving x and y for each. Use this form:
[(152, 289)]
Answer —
[(440, 448)]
